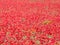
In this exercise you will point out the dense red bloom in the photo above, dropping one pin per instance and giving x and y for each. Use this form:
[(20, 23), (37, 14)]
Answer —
[(29, 22)]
